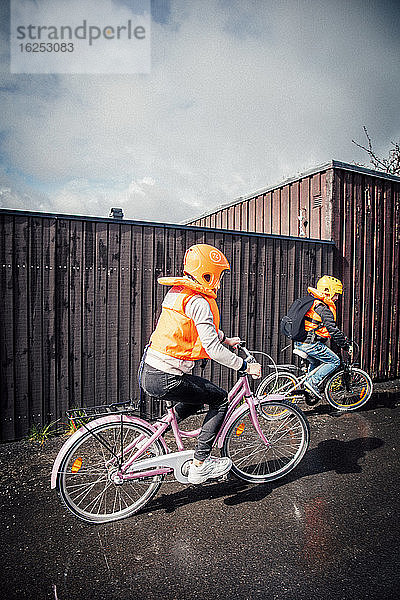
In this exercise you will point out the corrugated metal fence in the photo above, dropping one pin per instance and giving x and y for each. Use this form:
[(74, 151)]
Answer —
[(359, 209), (366, 230), (79, 300), (277, 210)]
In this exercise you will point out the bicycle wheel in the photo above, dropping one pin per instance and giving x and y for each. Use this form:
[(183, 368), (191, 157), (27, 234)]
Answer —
[(280, 383), (348, 390), (254, 460), (85, 482)]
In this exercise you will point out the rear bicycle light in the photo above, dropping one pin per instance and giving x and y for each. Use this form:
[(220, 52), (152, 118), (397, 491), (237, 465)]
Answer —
[(76, 465), (240, 429)]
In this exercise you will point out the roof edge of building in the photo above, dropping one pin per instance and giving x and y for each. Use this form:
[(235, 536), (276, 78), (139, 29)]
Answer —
[(332, 164)]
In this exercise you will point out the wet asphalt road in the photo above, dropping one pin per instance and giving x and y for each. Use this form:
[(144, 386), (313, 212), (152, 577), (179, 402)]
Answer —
[(330, 530)]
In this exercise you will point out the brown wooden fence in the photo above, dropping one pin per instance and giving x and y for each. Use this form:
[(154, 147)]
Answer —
[(79, 300)]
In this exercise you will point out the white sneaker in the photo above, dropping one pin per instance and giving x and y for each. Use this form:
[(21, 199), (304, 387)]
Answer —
[(211, 467), (313, 389)]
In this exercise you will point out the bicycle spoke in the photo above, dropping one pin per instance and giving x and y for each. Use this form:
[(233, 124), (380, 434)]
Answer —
[(91, 492), (349, 390), (94, 500), (253, 459), (83, 485)]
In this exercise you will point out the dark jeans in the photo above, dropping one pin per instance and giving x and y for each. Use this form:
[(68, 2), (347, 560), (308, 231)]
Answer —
[(190, 392)]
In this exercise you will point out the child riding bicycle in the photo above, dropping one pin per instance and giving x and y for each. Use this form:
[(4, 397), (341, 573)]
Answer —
[(320, 325), (188, 330)]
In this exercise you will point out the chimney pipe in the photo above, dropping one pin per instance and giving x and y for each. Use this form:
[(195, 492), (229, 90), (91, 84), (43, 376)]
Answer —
[(116, 213)]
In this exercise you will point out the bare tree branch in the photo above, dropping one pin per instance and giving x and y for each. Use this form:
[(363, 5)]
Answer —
[(389, 165)]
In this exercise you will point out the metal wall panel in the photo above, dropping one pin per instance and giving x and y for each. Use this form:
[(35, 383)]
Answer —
[(359, 210), (366, 229), (277, 211), (79, 300)]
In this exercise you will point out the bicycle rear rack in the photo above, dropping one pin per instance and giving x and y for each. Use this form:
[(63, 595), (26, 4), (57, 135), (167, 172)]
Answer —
[(87, 413), (82, 416)]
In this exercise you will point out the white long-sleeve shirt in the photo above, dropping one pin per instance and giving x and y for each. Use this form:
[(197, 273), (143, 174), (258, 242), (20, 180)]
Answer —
[(197, 309)]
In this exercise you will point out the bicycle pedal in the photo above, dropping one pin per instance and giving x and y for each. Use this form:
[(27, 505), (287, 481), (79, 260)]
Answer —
[(220, 478), (310, 400)]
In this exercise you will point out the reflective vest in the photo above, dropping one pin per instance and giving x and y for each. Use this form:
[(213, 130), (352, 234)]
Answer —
[(176, 334), (313, 319)]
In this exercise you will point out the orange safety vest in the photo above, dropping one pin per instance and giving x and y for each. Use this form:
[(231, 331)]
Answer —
[(176, 334), (312, 318)]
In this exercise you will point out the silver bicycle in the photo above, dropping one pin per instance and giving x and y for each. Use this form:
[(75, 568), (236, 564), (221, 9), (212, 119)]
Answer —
[(347, 388)]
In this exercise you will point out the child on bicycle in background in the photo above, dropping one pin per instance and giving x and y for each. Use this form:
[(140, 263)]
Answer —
[(188, 330), (320, 324)]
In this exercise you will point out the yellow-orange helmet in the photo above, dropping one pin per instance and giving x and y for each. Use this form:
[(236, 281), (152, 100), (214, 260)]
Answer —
[(205, 264), (329, 286)]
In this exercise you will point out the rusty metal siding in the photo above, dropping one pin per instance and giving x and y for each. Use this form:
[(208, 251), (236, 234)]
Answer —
[(277, 211), (80, 299), (365, 230), (359, 210)]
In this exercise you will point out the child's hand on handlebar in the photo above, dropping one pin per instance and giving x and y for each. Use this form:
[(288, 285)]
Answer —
[(233, 342), (254, 369)]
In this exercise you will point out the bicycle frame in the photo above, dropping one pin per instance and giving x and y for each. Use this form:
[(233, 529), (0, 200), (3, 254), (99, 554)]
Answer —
[(346, 367), (301, 381), (175, 461)]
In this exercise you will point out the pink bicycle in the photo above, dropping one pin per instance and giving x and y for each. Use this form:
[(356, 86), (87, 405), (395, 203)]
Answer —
[(115, 463)]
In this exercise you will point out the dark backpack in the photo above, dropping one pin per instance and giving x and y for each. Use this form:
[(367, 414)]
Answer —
[(292, 325)]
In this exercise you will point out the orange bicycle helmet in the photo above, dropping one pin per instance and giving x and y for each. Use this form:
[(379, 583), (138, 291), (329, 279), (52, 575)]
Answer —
[(329, 286), (205, 264)]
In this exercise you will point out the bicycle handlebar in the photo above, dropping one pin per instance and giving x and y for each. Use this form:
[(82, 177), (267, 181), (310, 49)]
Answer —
[(243, 347), (355, 353), (250, 358)]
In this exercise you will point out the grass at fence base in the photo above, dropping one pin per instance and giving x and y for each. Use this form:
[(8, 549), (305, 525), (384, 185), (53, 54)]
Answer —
[(40, 433)]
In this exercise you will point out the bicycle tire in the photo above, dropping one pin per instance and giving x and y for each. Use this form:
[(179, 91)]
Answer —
[(255, 462), (277, 384), (84, 482), (349, 395)]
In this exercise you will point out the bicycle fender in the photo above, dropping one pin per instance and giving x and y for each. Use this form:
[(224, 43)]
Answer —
[(239, 411), (91, 425)]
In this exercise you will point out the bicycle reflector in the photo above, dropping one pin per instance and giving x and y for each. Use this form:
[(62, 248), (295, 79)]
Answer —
[(240, 429), (76, 465)]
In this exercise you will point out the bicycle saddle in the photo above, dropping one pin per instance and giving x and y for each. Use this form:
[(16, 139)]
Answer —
[(300, 353)]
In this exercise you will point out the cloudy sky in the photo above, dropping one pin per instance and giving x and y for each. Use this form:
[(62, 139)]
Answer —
[(241, 95)]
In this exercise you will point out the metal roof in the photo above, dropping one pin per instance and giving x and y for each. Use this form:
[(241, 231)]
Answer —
[(333, 164)]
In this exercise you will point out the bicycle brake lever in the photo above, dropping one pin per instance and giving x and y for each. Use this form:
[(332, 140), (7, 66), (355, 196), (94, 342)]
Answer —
[(249, 357), (243, 348)]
